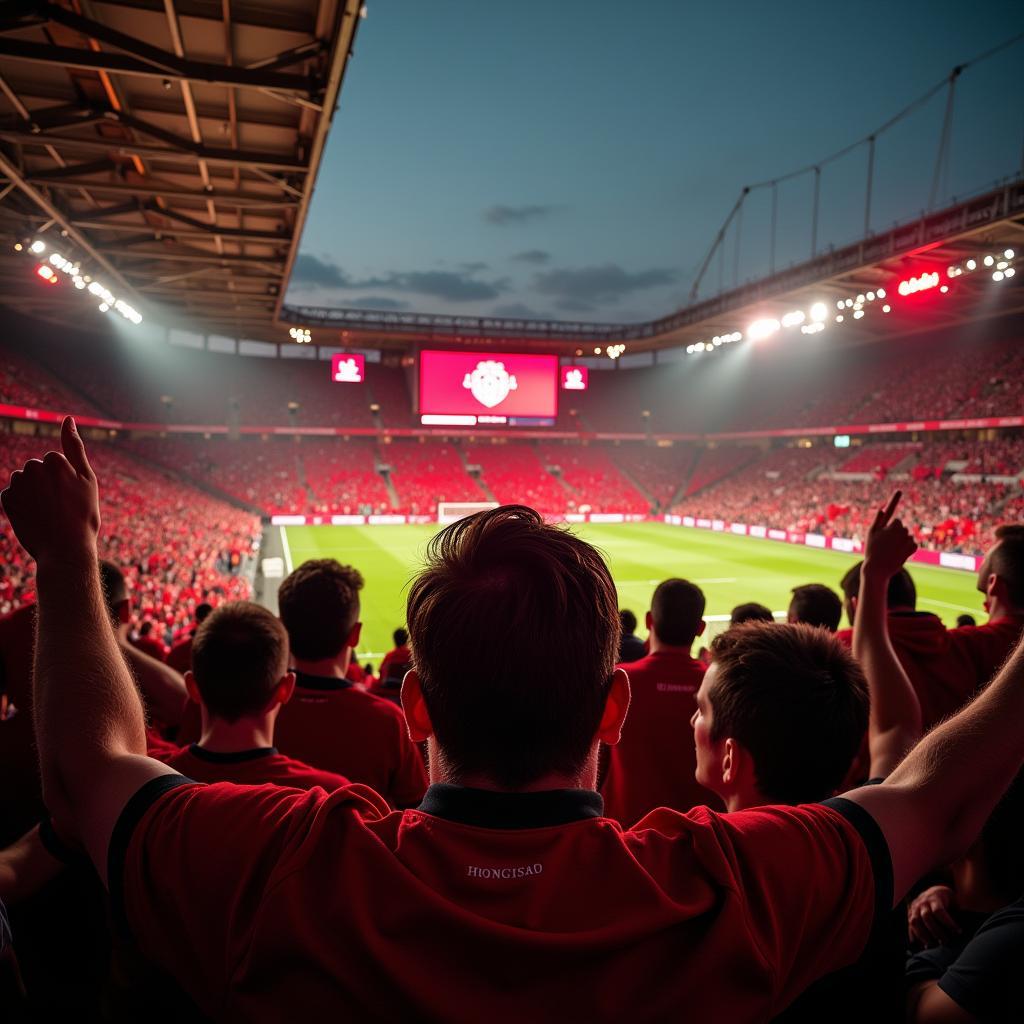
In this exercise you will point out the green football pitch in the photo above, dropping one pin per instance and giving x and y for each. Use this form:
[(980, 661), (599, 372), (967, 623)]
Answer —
[(728, 569)]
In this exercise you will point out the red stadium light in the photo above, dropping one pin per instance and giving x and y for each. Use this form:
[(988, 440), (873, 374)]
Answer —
[(575, 378), (348, 368), (918, 284), (46, 273)]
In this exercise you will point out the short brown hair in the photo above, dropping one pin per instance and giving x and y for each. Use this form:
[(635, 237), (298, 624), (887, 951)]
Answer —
[(239, 654), (1007, 560), (817, 605), (795, 698), (901, 592), (319, 605), (677, 610), (515, 635)]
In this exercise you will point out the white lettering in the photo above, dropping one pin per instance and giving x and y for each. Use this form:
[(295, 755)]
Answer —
[(520, 871)]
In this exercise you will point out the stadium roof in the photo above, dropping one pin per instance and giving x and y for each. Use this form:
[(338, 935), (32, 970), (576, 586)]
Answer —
[(167, 147)]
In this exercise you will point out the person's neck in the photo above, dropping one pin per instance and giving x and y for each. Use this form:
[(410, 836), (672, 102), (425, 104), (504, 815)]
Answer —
[(658, 647), (442, 773), (220, 737), (743, 800), (326, 668), (998, 610)]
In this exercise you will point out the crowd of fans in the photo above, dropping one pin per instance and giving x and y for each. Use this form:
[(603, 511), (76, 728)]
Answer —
[(176, 545), (595, 482), (536, 825)]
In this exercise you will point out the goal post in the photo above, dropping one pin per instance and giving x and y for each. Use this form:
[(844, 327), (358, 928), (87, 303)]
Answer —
[(453, 511)]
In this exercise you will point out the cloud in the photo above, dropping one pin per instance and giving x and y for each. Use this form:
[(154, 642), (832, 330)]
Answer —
[(518, 311), (311, 270), (377, 302), (603, 284), (574, 306), (473, 268), (535, 256), (504, 215), (441, 284)]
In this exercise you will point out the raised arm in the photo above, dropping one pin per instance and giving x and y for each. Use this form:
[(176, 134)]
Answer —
[(162, 687), (894, 723), (88, 716), (934, 804)]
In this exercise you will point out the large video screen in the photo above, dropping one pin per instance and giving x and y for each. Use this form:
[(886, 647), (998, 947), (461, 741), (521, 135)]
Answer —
[(467, 388)]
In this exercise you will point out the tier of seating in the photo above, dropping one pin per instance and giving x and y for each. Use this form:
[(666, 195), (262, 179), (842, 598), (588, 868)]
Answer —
[(596, 483), (177, 545), (428, 472), (514, 474)]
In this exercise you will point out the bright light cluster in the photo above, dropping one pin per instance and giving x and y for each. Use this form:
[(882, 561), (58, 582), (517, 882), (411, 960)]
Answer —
[(919, 284), (614, 351), (300, 334), (55, 262), (1000, 264), (716, 342)]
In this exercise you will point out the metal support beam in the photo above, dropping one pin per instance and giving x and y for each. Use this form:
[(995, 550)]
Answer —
[(152, 187), (172, 231), (193, 256), (188, 154), (123, 64)]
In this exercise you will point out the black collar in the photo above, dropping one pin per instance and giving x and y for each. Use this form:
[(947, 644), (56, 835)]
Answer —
[(229, 757), (308, 682), (487, 808)]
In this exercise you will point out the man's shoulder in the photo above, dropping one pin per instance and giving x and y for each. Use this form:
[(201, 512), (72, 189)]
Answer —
[(660, 663)]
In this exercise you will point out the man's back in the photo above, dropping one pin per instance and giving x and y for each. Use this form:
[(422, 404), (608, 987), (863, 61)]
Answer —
[(434, 914), (335, 726), (258, 767), (653, 765), (180, 655), (986, 647), (941, 672)]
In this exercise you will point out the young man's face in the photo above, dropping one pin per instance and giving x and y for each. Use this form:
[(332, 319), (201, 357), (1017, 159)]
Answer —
[(709, 751)]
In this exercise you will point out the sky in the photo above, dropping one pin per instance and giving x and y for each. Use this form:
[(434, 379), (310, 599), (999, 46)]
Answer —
[(576, 159)]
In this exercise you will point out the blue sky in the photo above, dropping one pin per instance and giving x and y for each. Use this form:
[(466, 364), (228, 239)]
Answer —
[(574, 159)]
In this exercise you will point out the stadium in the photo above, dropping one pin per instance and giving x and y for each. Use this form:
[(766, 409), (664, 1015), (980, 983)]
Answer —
[(167, 178)]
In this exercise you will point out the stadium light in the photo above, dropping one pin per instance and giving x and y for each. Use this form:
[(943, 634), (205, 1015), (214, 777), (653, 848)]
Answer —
[(1008, 254), (839, 319), (880, 293), (858, 313), (997, 275), (797, 316), (971, 265), (46, 274), (818, 312), (988, 261), (37, 247), (761, 329), (918, 284), (887, 308)]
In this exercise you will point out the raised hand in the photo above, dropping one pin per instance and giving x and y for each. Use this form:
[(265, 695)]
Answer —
[(53, 503), (889, 543), (929, 921)]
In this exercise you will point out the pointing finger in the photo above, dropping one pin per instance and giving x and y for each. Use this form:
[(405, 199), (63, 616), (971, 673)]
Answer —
[(74, 447)]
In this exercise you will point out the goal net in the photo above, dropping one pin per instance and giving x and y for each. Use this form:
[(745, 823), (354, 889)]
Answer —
[(452, 511)]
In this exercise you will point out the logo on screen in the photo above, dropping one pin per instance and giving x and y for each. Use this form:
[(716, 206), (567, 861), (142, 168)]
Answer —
[(575, 379), (490, 383), (347, 369)]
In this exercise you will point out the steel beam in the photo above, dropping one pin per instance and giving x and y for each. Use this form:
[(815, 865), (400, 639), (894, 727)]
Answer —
[(152, 188), (192, 152), (177, 68)]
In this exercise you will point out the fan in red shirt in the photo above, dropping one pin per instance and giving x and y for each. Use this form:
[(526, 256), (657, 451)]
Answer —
[(330, 722), (393, 667), (148, 643), (240, 680), (505, 895), (180, 656), (653, 764)]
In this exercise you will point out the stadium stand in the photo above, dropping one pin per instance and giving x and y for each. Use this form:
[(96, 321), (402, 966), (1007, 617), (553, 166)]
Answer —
[(343, 478), (514, 472), (424, 473), (176, 545), (594, 478)]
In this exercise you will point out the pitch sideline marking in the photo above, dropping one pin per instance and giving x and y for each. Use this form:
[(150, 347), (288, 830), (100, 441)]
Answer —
[(287, 549), (946, 604)]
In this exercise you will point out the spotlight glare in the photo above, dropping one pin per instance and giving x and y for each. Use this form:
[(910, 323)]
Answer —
[(988, 261), (797, 316), (839, 319), (819, 312), (997, 275), (871, 296), (880, 293), (1008, 254), (1009, 272), (37, 247), (886, 308), (760, 329), (971, 265), (1002, 265), (944, 289), (858, 314)]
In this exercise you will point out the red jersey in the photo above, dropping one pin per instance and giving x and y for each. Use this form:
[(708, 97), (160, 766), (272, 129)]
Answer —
[(394, 666), (987, 647), (151, 646), (257, 767), (653, 764), (942, 676), (269, 904), (343, 729), (180, 656), (21, 795), (158, 747)]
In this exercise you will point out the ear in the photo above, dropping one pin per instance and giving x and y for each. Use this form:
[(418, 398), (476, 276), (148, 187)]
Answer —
[(730, 762), (415, 707), (994, 585), (700, 629), (284, 689), (615, 708), (192, 688), (353, 637), (648, 619)]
